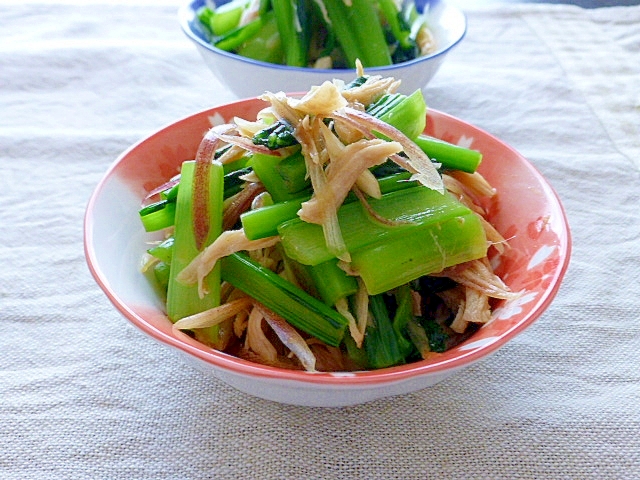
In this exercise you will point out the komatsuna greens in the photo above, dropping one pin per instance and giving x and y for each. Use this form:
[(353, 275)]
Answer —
[(319, 33), (328, 233)]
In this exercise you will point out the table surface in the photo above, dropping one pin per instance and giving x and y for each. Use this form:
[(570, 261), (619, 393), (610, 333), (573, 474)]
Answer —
[(86, 395)]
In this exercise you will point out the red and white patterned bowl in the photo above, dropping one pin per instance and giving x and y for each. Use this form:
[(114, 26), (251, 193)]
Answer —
[(526, 211)]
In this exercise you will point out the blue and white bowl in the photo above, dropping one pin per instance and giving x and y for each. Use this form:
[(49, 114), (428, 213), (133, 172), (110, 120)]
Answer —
[(246, 77)]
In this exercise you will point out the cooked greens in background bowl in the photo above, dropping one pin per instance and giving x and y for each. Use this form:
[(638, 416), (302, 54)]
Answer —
[(319, 34), (242, 42)]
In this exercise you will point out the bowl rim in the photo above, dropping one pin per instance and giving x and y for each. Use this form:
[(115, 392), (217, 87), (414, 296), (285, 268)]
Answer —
[(186, 14), (367, 378)]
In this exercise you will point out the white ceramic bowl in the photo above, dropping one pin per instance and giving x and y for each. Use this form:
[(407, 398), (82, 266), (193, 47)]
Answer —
[(247, 78), (527, 212)]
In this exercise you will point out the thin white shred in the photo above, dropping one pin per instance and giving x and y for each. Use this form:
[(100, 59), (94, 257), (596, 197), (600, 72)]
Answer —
[(250, 177), (371, 90), (418, 163), (475, 183), (469, 305), (425, 40), (248, 128), (289, 336), (320, 183), (250, 13), (356, 333), (362, 307), (240, 323), (479, 275), (322, 100), (342, 176), (147, 261), (257, 341), (368, 183), (325, 62), (232, 154), (281, 109), (230, 241), (214, 316)]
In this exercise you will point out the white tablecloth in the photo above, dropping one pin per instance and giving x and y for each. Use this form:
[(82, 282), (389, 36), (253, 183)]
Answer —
[(83, 394)]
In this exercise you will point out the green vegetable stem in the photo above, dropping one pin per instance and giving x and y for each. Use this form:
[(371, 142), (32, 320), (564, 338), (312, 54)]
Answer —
[(429, 248), (403, 314), (279, 134), (380, 341), (450, 156), (437, 231), (163, 251), (263, 222), (407, 113), (294, 28), (299, 308), (413, 210), (331, 282), (284, 178), (158, 215), (222, 19), (184, 300), (299, 32), (357, 27), (265, 44)]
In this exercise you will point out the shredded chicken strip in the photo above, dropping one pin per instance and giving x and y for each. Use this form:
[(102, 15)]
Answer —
[(473, 307), (248, 128), (335, 149), (347, 133), (265, 257), (371, 90), (289, 336), (281, 109), (479, 275), (230, 241), (322, 100), (342, 176), (416, 307), (233, 153), (213, 316), (417, 162), (320, 183), (342, 307), (247, 144), (326, 138), (474, 182), (368, 184), (426, 41), (240, 323), (257, 341), (250, 177), (362, 309), (460, 190)]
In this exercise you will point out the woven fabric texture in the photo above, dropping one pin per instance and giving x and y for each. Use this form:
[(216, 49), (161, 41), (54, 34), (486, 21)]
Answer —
[(84, 395)]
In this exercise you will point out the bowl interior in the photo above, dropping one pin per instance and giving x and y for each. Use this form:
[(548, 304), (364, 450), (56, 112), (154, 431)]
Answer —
[(526, 211)]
